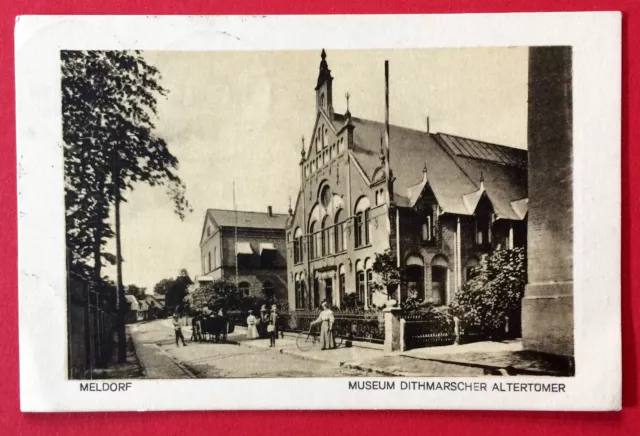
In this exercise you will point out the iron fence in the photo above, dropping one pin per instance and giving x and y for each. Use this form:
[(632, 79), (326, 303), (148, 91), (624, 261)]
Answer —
[(423, 330), (365, 326), (90, 327)]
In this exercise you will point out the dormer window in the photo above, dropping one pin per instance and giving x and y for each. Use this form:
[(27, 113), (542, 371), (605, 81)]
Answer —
[(427, 229), (483, 229)]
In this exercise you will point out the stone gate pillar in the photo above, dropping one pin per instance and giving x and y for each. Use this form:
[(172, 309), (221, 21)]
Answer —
[(392, 330)]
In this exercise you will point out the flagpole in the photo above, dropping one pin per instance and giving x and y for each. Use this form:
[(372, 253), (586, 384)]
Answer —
[(235, 229)]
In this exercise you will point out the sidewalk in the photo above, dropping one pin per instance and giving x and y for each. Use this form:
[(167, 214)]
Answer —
[(156, 363), (500, 358), (363, 358)]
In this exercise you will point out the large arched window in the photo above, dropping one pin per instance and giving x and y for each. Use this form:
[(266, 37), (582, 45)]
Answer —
[(324, 240), (361, 222), (244, 288), (297, 246), (339, 232), (312, 238)]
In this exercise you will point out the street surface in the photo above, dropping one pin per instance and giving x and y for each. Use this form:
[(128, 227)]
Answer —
[(157, 351)]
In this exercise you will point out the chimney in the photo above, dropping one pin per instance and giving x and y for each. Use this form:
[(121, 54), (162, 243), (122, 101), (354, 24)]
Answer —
[(269, 211)]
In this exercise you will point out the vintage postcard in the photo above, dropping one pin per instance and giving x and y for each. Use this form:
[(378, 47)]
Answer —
[(344, 212)]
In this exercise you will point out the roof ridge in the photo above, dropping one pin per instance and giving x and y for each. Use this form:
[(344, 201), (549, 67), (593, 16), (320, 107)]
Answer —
[(246, 211), (483, 142)]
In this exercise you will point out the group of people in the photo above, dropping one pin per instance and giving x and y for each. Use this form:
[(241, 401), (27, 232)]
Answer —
[(266, 325), (211, 327)]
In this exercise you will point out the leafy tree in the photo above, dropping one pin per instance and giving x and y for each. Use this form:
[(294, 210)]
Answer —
[(163, 286), (109, 101), (494, 293), (175, 290), (387, 276), (136, 291), (221, 293)]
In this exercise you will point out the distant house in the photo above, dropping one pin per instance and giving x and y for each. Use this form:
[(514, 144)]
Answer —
[(248, 247), (134, 307), (156, 307)]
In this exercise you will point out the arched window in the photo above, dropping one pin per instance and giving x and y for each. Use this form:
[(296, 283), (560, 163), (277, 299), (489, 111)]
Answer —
[(209, 262), (324, 241), (369, 276), (268, 290), (361, 282), (244, 288), (339, 232), (361, 222), (322, 100), (215, 257), (312, 244), (303, 290), (297, 246), (414, 273), (470, 268), (439, 279), (341, 282)]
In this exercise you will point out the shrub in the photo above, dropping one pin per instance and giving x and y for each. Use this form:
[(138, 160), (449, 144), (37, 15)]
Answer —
[(494, 293)]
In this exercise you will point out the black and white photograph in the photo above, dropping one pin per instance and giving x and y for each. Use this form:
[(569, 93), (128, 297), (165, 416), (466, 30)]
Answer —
[(328, 212)]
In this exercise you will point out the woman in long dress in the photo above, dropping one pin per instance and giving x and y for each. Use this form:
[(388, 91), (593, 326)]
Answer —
[(252, 330), (326, 320)]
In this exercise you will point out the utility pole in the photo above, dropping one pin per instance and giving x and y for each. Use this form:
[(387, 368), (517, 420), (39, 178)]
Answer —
[(120, 329)]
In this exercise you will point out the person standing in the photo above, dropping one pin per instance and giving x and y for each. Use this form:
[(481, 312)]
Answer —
[(271, 327), (178, 330), (326, 320), (264, 321), (195, 328), (252, 331)]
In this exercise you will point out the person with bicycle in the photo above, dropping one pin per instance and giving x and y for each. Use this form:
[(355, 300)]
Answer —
[(326, 321)]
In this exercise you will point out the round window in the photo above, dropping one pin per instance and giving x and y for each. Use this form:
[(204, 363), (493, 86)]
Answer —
[(325, 196)]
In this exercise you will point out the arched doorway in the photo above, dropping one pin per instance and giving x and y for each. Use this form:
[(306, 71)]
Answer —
[(440, 279), (414, 276)]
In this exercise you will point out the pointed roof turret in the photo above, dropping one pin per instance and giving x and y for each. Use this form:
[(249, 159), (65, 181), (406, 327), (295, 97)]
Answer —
[(325, 73)]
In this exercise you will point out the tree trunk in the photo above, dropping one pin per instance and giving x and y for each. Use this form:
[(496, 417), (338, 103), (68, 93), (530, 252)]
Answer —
[(122, 340)]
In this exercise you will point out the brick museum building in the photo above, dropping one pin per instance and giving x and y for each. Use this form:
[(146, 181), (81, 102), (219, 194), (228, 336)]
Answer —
[(449, 199), (246, 247)]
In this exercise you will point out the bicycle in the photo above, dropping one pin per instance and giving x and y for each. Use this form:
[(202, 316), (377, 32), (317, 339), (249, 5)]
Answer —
[(307, 340)]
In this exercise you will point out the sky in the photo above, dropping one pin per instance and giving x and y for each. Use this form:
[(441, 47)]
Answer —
[(240, 116)]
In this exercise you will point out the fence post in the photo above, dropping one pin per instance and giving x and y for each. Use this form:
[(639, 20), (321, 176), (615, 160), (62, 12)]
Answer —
[(403, 324), (456, 329), (392, 329)]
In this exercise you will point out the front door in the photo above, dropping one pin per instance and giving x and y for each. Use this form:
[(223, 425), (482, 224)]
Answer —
[(328, 291)]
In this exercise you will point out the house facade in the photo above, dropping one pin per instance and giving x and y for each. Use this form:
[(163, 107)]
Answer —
[(437, 201), (246, 247)]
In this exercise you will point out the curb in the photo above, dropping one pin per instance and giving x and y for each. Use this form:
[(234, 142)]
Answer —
[(493, 369), (182, 367)]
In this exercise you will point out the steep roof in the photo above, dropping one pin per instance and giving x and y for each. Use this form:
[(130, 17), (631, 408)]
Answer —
[(455, 166), (245, 219)]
